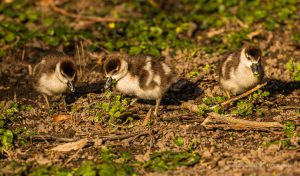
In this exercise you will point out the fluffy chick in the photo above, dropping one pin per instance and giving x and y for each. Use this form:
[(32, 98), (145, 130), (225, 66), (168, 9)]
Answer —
[(241, 71), (145, 77), (54, 74)]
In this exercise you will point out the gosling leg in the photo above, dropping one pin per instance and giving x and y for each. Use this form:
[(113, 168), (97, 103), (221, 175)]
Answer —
[(227, 94), (133, 101), (157, 106), (47, 102)]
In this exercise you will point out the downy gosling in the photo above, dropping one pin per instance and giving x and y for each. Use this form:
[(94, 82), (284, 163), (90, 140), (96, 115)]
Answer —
[(145, 77), (54, 74), (241, 71)]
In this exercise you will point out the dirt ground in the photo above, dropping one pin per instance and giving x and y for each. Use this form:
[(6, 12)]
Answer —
[(222, 151)]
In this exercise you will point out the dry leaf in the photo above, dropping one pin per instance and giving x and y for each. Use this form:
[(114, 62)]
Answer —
[(70, 146), (61, 117)]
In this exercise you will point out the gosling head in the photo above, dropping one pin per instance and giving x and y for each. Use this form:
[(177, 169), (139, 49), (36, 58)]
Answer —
[(66, 72), (251, 58), (114, 69)]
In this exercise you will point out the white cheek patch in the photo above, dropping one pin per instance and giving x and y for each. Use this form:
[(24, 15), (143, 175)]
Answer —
[(245, 61), (166, 68), (61, 78), (116, 76), (121, 73)]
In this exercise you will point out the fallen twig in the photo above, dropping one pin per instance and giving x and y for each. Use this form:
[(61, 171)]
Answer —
[(89, 18), (235, 123), (51, 138), (244, 94), (124, 136), (90, 141)]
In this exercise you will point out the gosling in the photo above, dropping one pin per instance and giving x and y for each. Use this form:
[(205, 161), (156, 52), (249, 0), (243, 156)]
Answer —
[(242, 71), (145, 77), (54, 74)]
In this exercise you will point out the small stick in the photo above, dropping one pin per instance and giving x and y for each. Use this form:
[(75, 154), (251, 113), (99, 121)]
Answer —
[(147, 118), (244, 94), (89, 18), (241, 123), (72, 157), (23, 55), (124, 136), (52, 138)]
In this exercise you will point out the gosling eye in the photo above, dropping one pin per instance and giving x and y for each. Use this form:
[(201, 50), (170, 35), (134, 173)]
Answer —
[(248, 57)]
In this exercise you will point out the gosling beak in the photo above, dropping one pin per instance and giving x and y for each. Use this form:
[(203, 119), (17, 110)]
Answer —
[(71, 86), (255, 69), (108, 83)]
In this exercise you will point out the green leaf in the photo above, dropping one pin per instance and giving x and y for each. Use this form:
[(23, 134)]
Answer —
[(178, 141), (134, 50), (194, 73), (155, 31), (289, 65), (86, 169), (10, 37), (7, 139), (202, 109), (243, 108), (106, 154), (51, 31)]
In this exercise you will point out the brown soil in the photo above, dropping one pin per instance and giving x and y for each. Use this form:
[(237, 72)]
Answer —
[(226, 152)]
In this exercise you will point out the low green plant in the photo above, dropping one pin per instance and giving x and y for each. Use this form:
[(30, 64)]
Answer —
[(116, 109), (213, 100), (7, 137), (202, 109), (289, 130), (258, 95), (247, 106), (9, 113), (169, 160), (294, 67), (235, 39), (243, 108)]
